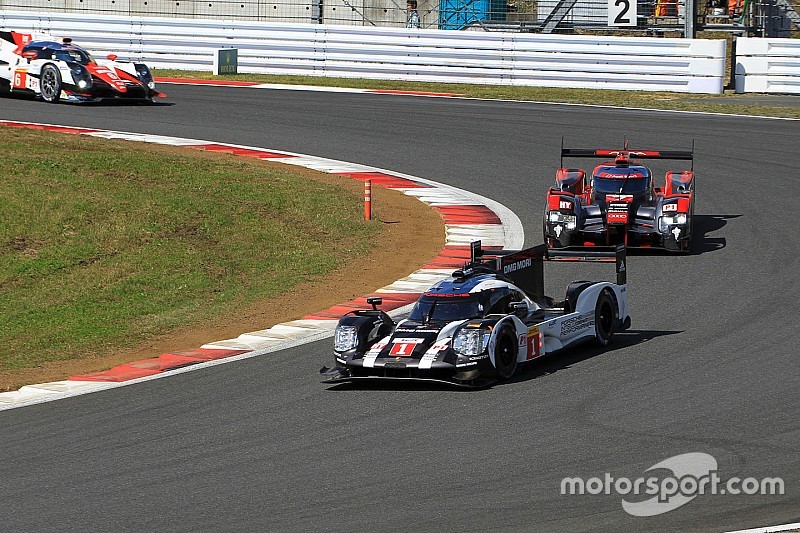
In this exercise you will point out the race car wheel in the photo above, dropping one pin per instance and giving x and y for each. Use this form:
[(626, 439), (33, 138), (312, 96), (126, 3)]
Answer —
[(605, 318), (505, 353), (50, 84)]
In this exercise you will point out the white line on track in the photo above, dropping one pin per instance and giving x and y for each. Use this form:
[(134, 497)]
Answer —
[(319, 88), (769, 529)]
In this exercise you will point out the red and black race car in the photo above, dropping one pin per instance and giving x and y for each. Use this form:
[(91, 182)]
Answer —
[(618, 202)]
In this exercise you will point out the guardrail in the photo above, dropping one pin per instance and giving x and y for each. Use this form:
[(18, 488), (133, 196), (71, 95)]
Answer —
[(626, 63), (767, 65)]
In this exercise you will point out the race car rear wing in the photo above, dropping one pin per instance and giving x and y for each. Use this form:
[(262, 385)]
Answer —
[(625, 152), (525, 268), (639, 154), (618, 256)]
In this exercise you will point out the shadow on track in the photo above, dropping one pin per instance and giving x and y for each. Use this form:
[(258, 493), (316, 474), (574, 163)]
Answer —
[(121, 102), (701, 242), (705, 224), (5, 93), (564, 360), (544, 367)]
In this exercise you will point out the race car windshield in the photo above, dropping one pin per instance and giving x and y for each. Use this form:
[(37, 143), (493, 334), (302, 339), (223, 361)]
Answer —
[(616, 185), (74, 55), (441, 309)]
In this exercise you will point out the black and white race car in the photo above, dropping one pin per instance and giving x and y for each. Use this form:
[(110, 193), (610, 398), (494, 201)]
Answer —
[(477, 326), (56, 69)]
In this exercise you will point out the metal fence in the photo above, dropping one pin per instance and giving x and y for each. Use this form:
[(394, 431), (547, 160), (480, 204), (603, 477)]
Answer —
[(776, 18), (325, 50)]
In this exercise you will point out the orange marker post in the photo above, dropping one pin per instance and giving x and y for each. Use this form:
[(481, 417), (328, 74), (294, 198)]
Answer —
[(368, 200)]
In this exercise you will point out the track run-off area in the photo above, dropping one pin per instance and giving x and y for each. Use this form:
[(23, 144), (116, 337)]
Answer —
[(709, 365)]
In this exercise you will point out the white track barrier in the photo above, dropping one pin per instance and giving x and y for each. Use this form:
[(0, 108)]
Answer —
[(767, 65), (574, 61)]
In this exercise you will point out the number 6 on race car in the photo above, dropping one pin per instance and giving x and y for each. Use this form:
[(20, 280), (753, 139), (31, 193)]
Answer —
[(19, 79)]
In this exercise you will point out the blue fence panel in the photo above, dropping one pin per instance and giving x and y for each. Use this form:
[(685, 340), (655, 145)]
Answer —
[(458, 14)]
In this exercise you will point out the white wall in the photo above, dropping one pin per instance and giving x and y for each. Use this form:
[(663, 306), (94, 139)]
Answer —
[(601, 62), (767, 65)]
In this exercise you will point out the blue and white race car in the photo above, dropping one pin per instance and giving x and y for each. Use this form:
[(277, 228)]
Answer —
[(55, 69), (478, 325)]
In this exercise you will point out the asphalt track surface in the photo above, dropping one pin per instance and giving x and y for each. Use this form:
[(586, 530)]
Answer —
[(710, 364)]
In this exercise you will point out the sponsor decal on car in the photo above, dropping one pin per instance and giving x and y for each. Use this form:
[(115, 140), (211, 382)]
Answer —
[(578, 323), (109, 76), (619, 197), (517, 265), (617, 212), (617, 217)]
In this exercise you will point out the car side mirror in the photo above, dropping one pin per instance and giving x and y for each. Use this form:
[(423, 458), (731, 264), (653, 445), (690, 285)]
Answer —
[(519, 308), (374, 301)]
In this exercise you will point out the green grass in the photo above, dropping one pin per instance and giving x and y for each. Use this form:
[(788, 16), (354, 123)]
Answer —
[(104, 244), (728, 103)]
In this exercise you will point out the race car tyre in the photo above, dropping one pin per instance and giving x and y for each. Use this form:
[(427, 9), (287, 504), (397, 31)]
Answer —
[(605, 318), (505, 354), (50, 84)]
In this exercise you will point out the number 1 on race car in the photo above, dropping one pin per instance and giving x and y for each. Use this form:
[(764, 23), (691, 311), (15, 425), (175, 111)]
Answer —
[(402, 349)]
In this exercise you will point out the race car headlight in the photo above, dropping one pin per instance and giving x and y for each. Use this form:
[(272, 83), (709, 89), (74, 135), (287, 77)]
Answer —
[(144, 74), (570, 221), (345, 339), (471, 341), (81, 76), (674, 220)]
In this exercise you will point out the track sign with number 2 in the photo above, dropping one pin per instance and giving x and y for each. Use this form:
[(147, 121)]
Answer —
[(622, 12)]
